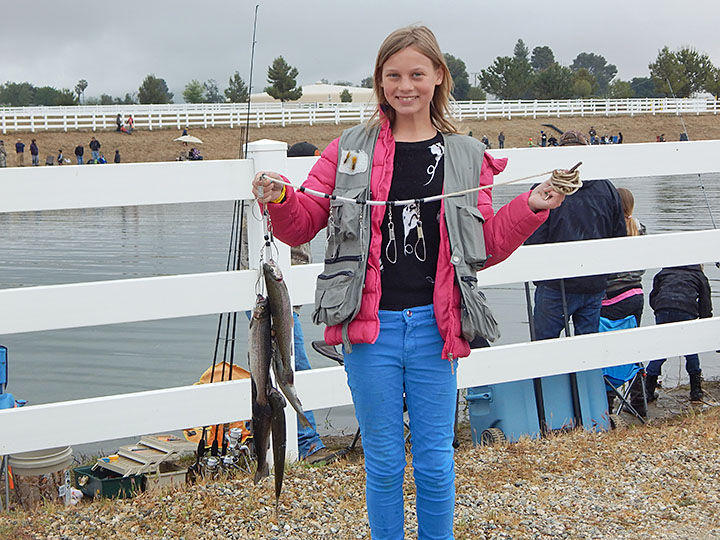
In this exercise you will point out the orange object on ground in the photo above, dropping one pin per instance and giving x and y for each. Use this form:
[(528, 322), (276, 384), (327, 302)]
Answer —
[(219, 374)]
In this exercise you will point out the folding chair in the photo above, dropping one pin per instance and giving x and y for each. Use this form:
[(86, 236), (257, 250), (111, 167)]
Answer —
[(627, 374)]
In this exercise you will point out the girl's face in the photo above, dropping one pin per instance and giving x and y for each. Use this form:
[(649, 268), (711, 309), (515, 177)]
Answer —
[(408, 82)]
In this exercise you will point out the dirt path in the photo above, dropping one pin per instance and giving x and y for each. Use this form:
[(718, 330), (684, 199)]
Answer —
[(225, 143)]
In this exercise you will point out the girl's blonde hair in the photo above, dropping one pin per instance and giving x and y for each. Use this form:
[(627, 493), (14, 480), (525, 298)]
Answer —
[(628, 204), (422, 39)]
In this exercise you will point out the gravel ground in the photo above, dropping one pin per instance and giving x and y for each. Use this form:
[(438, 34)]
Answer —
[(654, 481)]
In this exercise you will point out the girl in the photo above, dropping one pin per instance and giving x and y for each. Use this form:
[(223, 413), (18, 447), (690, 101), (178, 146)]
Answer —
[(624, 293), (624, 298), (410, 323)]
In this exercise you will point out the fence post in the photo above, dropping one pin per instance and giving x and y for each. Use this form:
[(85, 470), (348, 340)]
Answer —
[(268, 155)]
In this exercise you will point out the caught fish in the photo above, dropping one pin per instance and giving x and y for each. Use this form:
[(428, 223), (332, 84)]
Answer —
[(277, 404), (259, 358), (282, 324), (280, 308), (284, 376)]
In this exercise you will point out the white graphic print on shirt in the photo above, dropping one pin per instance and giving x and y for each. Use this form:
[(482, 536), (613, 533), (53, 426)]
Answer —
[(436, 150)]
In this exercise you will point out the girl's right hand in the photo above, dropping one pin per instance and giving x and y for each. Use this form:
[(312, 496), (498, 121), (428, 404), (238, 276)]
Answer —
[(271, 191)]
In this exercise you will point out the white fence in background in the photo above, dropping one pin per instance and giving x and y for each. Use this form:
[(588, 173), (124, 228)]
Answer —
[(108, 302), (206, 115)]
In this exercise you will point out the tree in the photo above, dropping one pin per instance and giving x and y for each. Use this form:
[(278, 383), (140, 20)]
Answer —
[(17, 94), (80, 87), (620, 90), (46, 95), (106, 99), (508, 78), (193, 92), (459, 74), (343, 83), (281, 77), (598, 67), (154, 90), (367, 82), (584, 83), (712, 83), (212, 92), (643, 87), (542, 58), (475, 93), (553, 82), (345, 96), (237, 90), (521, 52), (680, 73), (66, 97)]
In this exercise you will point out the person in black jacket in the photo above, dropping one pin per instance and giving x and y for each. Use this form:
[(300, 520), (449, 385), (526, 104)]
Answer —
[(594, 211), (79, 151), (680, 293)]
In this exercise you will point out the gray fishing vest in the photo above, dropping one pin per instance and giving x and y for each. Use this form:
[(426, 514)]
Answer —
[(339, 287)]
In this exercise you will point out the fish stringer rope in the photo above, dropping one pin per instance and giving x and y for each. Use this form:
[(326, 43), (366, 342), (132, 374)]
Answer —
[(566, 182)]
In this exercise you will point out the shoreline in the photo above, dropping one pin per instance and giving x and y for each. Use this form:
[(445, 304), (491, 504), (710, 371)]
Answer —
[(225, 143)]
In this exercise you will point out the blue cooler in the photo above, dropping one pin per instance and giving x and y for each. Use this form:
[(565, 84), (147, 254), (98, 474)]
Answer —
[(509, 411)]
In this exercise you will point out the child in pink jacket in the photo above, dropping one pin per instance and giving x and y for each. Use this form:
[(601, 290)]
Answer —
[(408, 326)]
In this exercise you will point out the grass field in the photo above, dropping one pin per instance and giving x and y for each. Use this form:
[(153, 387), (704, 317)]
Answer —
[(225, 143)]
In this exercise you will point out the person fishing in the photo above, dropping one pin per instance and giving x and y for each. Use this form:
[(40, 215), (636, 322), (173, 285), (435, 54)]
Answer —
[(399, 285)]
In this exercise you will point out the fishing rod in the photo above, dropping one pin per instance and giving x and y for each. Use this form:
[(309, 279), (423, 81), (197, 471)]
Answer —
[(566, 182), (700, 180)]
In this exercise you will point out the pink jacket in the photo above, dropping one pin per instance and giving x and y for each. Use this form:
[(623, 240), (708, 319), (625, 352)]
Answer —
[(299, 218)]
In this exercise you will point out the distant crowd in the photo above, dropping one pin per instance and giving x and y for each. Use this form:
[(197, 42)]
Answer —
[(52, 159)]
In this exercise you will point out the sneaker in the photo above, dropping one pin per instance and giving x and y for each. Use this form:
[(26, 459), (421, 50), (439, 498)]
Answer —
[(324, 456)]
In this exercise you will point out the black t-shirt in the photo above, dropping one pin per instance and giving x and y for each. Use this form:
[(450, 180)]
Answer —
[(408, 260)]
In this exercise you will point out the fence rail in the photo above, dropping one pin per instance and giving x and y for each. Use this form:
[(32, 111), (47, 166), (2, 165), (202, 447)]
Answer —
[(205, 115), (40, 308)]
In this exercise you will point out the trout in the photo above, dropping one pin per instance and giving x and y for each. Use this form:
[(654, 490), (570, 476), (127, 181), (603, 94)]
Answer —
[(282, 324), (277, 404), (259, 359)]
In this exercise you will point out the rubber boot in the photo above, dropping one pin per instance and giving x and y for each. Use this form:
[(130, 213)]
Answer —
[(637, 396), (696, 387), (650, 386)]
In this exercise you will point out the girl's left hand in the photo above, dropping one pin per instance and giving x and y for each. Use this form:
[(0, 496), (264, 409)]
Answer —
[(544, 197)]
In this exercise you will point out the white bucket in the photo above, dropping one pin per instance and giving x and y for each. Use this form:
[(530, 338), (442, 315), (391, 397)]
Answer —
[(41, 462)]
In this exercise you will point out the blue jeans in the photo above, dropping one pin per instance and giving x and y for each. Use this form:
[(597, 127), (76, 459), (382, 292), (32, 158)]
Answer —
[(95, 154), (584, 309), (35, 159), (79, 160), (308, 439), (406, 361), (692, 361)]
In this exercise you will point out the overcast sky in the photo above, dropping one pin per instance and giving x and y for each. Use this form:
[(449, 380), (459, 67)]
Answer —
[(114, 45)]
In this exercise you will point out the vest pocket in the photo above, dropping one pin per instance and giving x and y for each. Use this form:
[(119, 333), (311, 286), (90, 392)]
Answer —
[(332, 304), (470, 225), (346, 215)]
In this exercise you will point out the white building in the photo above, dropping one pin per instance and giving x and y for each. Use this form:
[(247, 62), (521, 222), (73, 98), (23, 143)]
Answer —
[(322, 93)]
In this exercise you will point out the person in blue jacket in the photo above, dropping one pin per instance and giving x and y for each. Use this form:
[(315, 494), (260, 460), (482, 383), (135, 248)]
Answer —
[(594, 211)]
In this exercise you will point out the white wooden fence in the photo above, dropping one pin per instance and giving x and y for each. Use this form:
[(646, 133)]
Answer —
[(178, 116), (107, 302)]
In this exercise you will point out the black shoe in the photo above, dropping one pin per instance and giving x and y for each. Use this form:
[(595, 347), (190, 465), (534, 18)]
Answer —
[(638, 396), (651, 382), (611, 402), (696, 387), (329, 351)]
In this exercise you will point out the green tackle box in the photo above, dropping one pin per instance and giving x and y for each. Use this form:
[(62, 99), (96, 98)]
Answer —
[(104, 483)]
